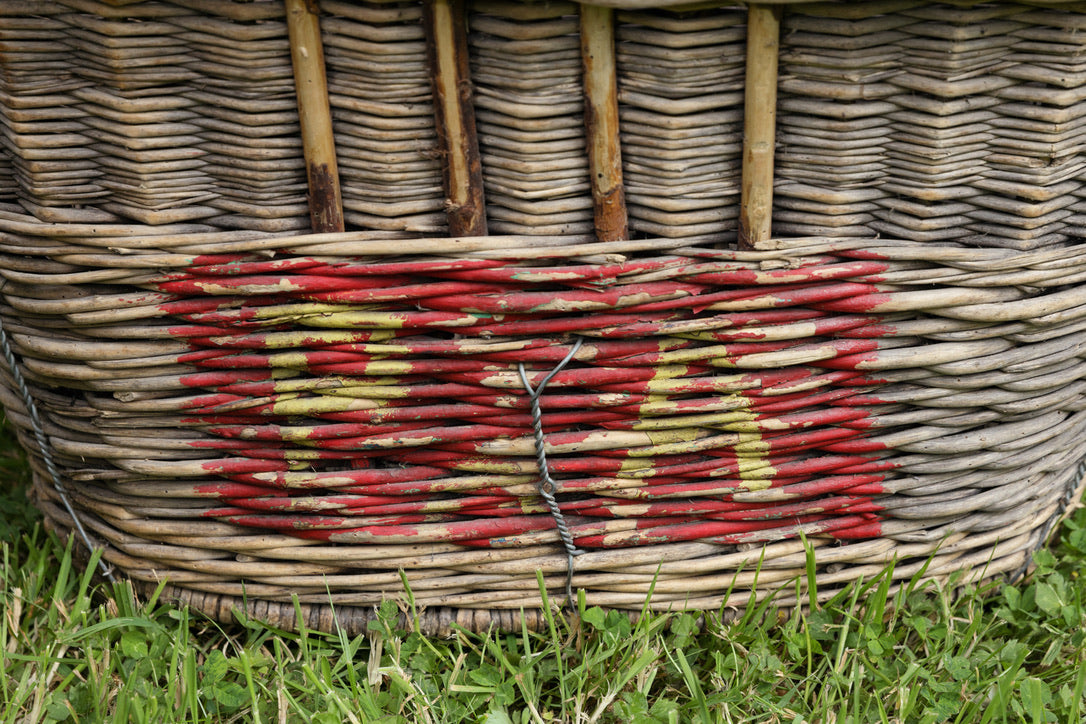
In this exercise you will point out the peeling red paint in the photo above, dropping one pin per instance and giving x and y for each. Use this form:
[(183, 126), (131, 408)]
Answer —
[(362, 400)]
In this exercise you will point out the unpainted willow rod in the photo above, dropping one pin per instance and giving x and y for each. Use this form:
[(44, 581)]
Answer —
[(314, 113), (455, 115), (601, 122), (760, 121)]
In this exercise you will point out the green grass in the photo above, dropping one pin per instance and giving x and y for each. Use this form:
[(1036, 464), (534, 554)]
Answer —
[(922, 654)]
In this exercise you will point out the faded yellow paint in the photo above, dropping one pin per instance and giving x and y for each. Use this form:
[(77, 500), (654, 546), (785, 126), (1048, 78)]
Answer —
[(691, 441), (318, 405), (373, 319), (731, 383), (731, 420), (755, 468), (665, 372), (665, 406), (751, 442), (340, 318), (637, 465), (531, 506), (752, 453), (495, 466), (756, 484), (292, 360), (387, 367), (698, 354), (682, 435), (297, 311), (387, 391)]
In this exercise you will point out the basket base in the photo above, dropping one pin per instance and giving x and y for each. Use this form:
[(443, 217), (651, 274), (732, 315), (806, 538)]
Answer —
[(444, 621)]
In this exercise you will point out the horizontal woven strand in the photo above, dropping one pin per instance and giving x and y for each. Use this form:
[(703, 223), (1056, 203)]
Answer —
[(747, 418)]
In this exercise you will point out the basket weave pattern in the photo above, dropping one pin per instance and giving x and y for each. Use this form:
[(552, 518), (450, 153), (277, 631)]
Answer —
[(932, 123), (252, 410)]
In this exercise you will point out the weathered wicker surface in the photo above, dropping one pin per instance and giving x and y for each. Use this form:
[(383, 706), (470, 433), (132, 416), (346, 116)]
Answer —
[(880, 404), (680, 90), (250, 410), (901, 119), (379, 90), (932, 122)]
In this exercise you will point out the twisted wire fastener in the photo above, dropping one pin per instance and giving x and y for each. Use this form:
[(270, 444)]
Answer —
[(46, 450), (546, 484)]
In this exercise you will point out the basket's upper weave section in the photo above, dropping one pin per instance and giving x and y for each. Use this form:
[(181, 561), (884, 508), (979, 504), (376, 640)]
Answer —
[(253, 410), (902, 119)]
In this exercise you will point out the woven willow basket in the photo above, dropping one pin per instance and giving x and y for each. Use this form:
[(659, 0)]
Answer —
[(309, 302)]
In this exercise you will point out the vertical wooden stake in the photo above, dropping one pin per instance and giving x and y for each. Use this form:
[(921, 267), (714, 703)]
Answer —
[(601, 122), (307, 54), (448, 49), (760, 125)]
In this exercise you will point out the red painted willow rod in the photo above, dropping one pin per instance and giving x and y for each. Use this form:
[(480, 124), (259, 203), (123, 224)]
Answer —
[(337, 441), (307, 55)]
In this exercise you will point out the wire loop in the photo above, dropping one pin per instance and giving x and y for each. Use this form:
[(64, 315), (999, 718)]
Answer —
[(546, 485)]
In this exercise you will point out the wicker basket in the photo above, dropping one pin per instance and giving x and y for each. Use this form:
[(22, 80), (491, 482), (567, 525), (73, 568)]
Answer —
[(755, 279)]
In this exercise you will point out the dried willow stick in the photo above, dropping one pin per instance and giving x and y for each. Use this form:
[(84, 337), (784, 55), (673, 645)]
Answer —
[(307, 54), (756, 203), (448, 49), (601, 122), (508, 247)]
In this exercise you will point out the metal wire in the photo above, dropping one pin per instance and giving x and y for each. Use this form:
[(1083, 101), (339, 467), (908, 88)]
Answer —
[(546, 485), (46, 450)]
